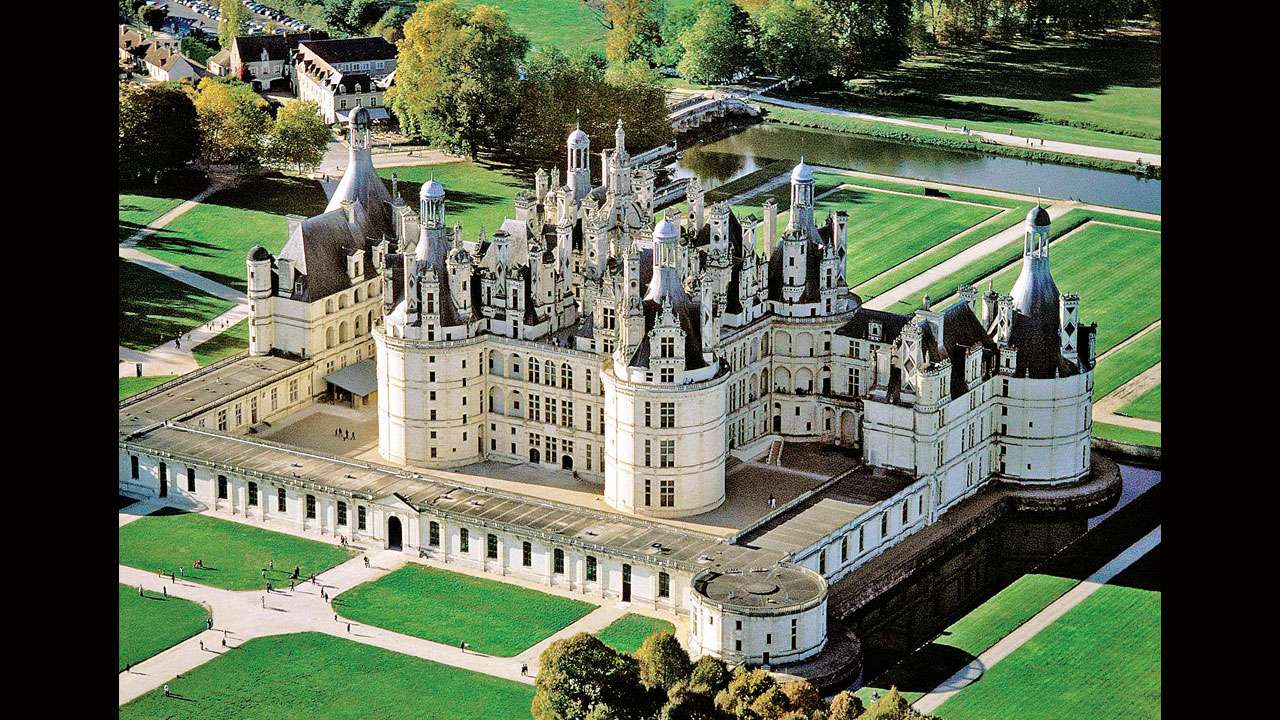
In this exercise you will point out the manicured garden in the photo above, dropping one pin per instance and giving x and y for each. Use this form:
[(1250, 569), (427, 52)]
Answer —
[(1126, 363), (155, 309), (311, 675), (233, 554), (1102, 654), (213, 238), (130, 386), (231, 341), (152, 623), (478, 196), (627, 632), (492, 617), (141, 205)]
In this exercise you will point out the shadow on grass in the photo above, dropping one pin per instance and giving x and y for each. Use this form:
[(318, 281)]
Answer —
[(926, 669), (274, 193)]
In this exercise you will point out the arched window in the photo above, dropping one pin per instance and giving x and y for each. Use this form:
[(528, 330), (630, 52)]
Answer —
[(359, 294), (535, 370), (342, 331), (566, 376), (328, 337), (359, 332), (515, 366), (549, 373)]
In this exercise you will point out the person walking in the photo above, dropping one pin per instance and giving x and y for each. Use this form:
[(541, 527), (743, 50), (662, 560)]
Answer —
[(202, 645), (524, 669), (366, 561), (166, 690), (224, 641), (348, 627), (165, 590), (182, 570), (140, 591)]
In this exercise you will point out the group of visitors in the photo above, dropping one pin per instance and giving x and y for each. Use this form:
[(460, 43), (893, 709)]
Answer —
[(344, 434)]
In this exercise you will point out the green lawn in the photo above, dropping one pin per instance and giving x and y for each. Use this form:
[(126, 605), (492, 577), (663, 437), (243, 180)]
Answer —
[(130, 386), (213, 238), (627, 632), (494, 618), (1125, 364), (234, 554), (885, 228), (155, 309), (1146, 405), (969, 636), (1101, 657), (151, 624), (1132, 436), (140, 205), (566, 24), (311, 675), (231, 341), (479, 196)]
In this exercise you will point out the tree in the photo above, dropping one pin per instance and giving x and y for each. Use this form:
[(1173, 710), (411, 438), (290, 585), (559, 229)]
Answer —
[(233, 122), (193, 48), (892, 706), (718, 45), (676, 21), (352, 17), (788, 40), (709, 676), (634, 30), (391, 24), (456, 79), (663, 662), (299, 136), (769, 705), (579, 673), (744, 689), (158, 130), (866, 34), (802, 696), (232, 22), (845, 706), (559, 90), (683, 703), (153, 15)]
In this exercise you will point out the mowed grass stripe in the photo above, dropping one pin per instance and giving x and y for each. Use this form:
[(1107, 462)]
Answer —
[(1146, 405), (970, 636), (492, 617), (130, 386), (1126, 363), (1103, 653), (477, 196), (627, 632), (155, 309), (1128, 435), (153, 623), (234, 555), (223, 345), (311, 675)]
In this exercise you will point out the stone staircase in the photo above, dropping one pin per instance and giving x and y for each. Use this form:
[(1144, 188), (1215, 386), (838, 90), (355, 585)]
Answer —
[(775, 453)]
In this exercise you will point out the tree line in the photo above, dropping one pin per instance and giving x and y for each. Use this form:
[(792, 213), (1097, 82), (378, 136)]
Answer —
[(170, 126), (581, 678)]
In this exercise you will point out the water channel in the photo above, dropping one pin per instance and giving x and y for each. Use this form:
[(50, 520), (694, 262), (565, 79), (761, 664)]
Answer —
[(727, 159)]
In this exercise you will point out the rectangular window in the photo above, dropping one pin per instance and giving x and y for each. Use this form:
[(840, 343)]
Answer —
[(667, 493), (648, 411), (293, 390), (551, 411), (667, 415), (566, 417), (191, 479), (884, 524), (793, 633), (557, 562), (667, 347), (822, 561), (222, 419), (666, 375), (648, 490), (844, 548), (664, 585), (591, 568), (342, 513), (133, 466), (280, 500), (526, 554), (433, 533), (360, 517), (274, 398), (666, 453), (222, 487), (491, 549), (311, 507), (464, 540), (253, 494), (862, 543)]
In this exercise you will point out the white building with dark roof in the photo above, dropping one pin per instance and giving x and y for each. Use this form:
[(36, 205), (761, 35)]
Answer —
[(344, 74)]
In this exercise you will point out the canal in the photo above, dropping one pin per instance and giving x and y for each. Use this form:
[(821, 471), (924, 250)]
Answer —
[(724, 160)]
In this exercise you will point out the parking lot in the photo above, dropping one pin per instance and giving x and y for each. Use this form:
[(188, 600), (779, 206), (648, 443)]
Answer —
[(206, 15)]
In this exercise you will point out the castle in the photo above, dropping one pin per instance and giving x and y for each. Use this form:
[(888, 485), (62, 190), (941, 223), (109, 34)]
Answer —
[(639, 353)]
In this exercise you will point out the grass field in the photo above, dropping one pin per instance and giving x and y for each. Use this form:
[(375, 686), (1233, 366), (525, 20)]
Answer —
[(566, 24), (310, 675), (213, 238), (151, 624), (885, 228), (1101, 657), (476, 195), (139, 206), (492, 617), (627, 632), (234, 554), (130, 386), (1132, 436), (1146, 405), (154, 309), (231, 341), (969, 636), (1125, 364)]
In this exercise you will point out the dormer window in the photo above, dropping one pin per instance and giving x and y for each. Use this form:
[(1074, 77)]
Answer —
[(667, 347), (359, 87), (297, 287), (873, 331)]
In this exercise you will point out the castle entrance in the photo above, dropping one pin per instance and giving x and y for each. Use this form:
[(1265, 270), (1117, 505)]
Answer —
[(394, 534)]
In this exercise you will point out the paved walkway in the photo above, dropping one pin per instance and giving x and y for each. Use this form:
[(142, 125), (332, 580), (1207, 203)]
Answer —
[(160, 222), (169, 360), (1128, 156), (992, 244), (1107, 409), (250, 614), (335, 158), (972, 672)]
